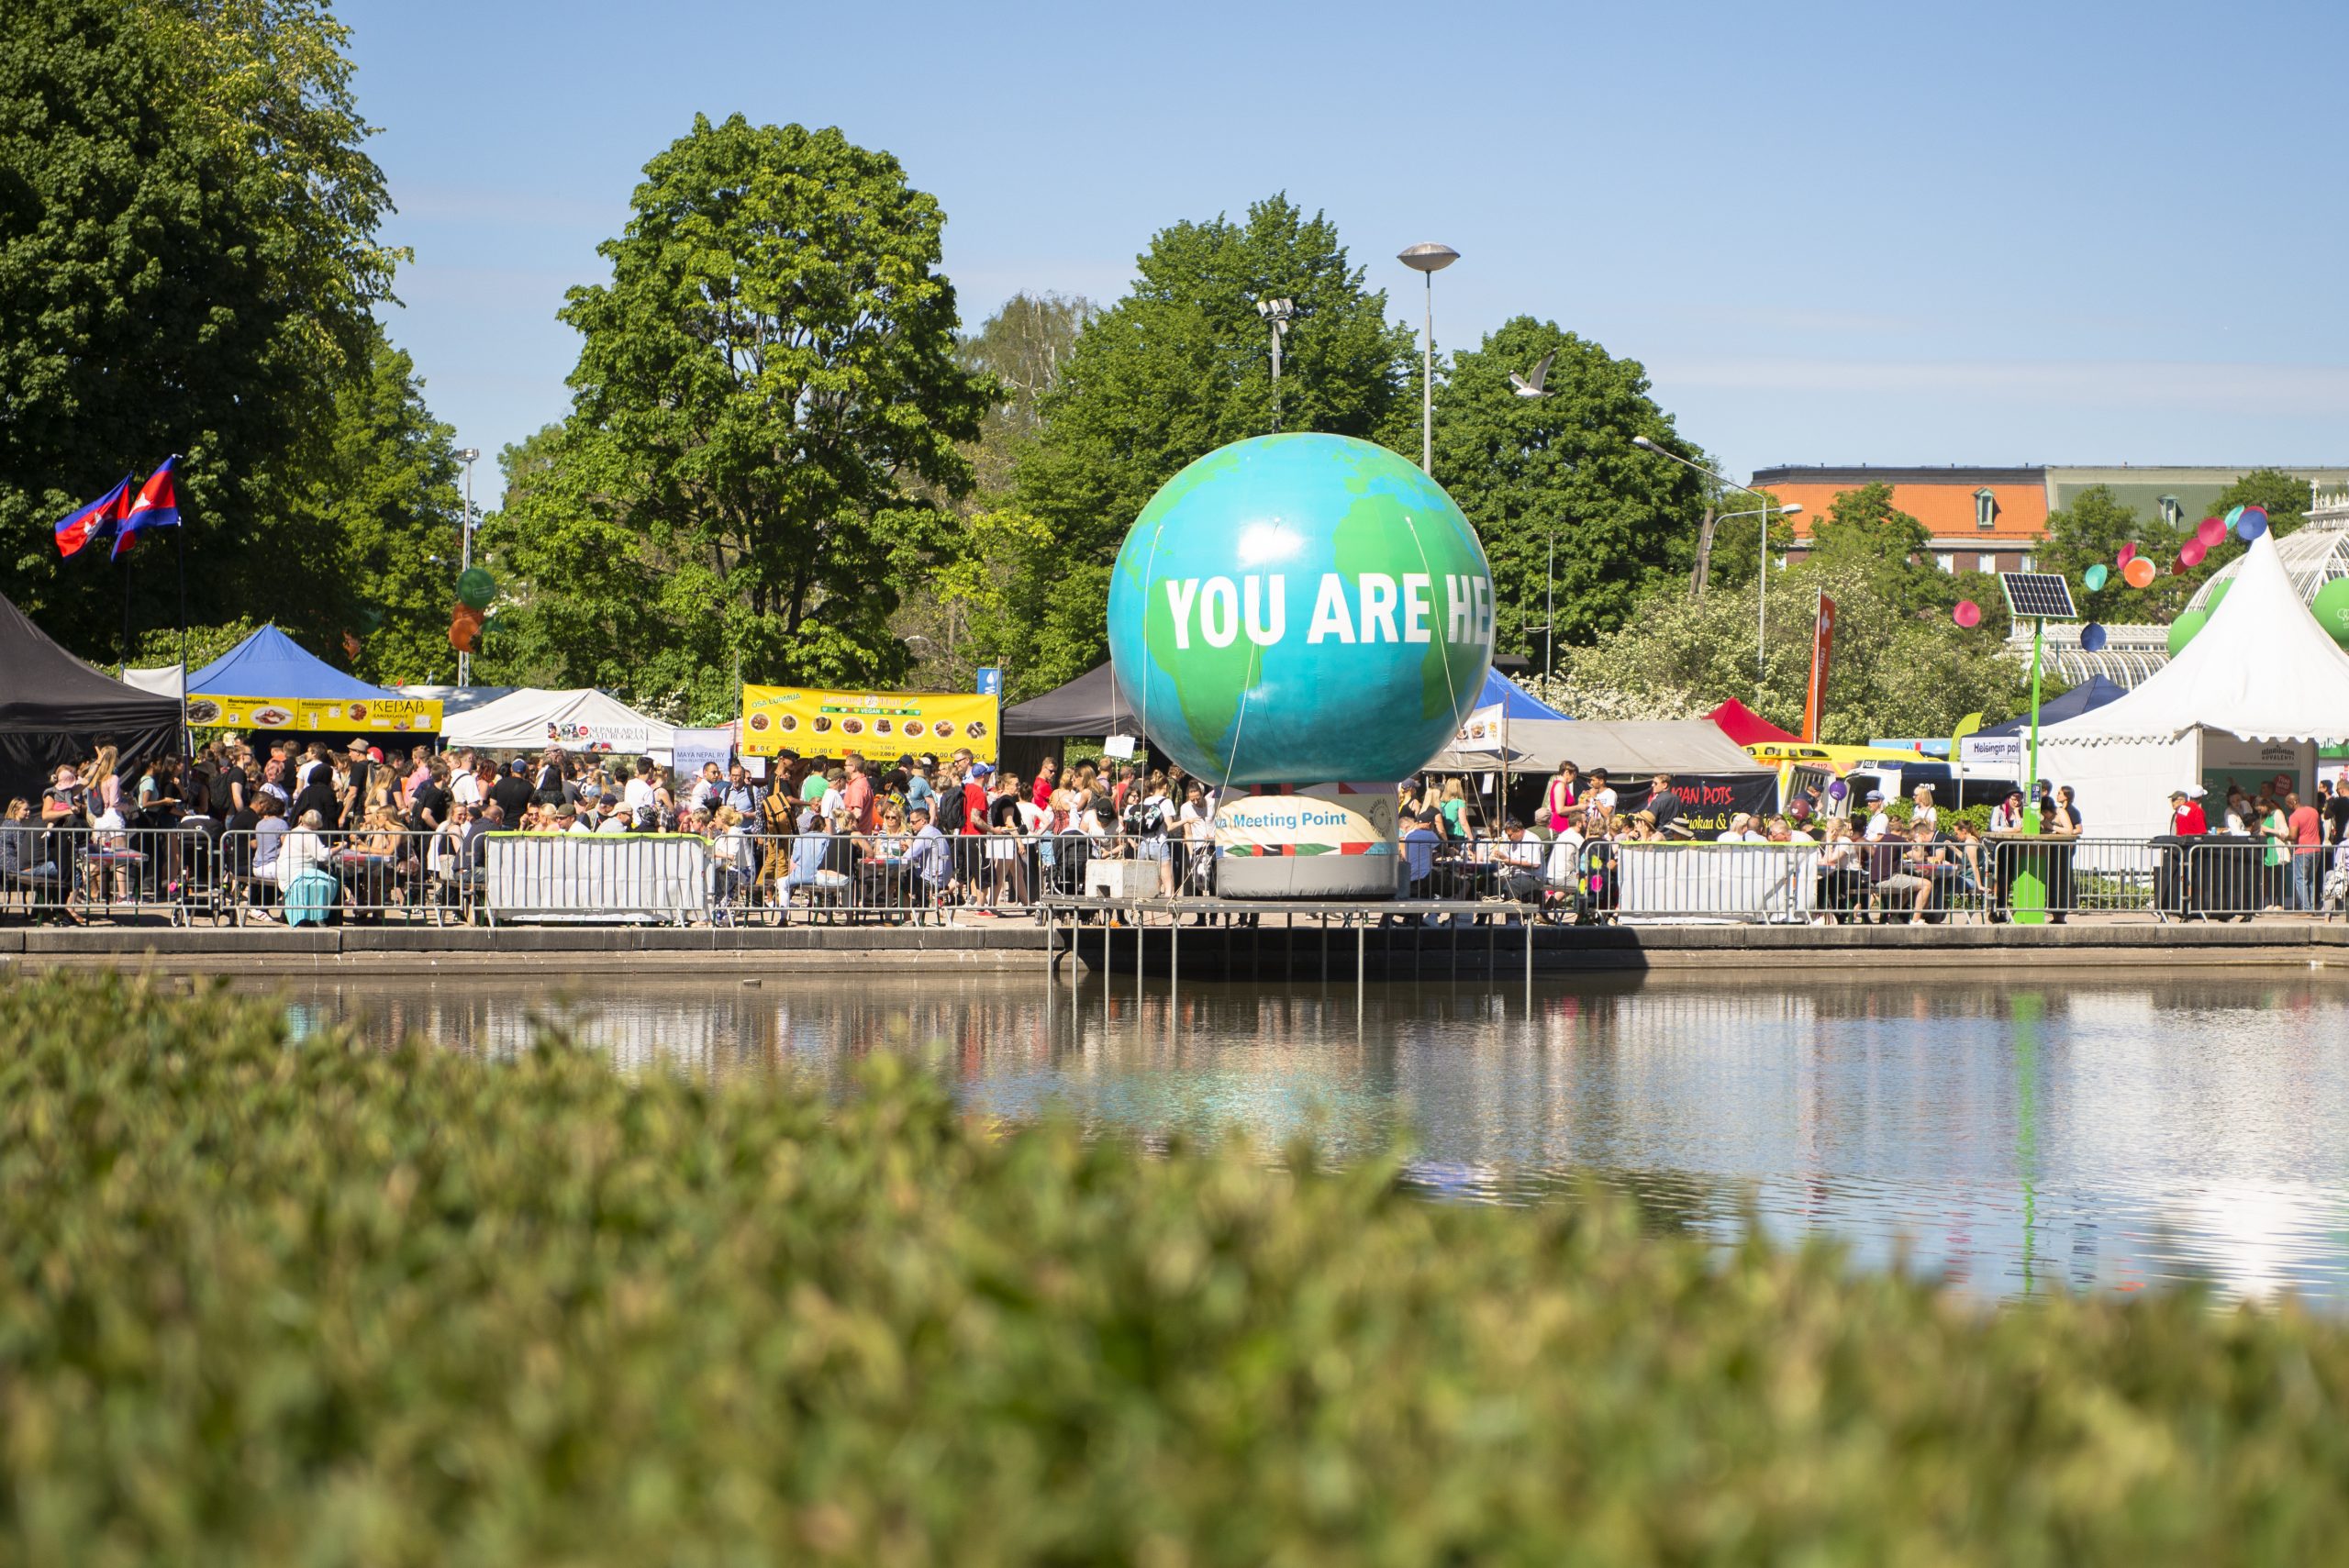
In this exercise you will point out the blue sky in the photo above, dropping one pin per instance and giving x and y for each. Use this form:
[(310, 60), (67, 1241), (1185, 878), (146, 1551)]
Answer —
[(1890, 234)]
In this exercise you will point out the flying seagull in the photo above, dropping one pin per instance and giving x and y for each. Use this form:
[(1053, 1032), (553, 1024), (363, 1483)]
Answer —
[(1531, 385)]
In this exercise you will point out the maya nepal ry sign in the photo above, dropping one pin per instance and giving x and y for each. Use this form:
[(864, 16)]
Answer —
[(386, 715), (1303, 607), (877, 724)]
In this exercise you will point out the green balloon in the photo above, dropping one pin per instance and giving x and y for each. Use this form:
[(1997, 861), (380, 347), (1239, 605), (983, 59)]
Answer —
[(2094, 577), (2331, 608), (2183, 629), (476, 588), (2211, 606)]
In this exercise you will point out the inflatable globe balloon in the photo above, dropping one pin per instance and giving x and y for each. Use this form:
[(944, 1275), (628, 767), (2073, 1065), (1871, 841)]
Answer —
[(2184, 630), (2331, 606), (2252, 523), (2092, 639), (2095, 576), (1301, 608)]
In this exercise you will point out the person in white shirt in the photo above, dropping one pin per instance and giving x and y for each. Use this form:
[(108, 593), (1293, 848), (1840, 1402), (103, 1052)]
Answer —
[(637, 794), (2007, 815), (1740, 831), (1519, 853), (1566, 854), (1601, 793), (1925, 811), (1879, 821), (302, 848)]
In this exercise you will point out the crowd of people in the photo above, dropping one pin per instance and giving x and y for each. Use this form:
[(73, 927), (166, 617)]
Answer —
[(362, 826)]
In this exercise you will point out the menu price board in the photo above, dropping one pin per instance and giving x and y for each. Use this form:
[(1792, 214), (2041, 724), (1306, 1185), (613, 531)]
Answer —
[(418, 715), (880, 725)]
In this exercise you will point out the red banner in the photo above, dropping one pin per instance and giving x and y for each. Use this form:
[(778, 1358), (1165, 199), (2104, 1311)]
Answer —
[(1822, 650)]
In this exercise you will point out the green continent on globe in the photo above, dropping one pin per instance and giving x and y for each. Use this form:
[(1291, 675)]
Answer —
[(1300, 609)]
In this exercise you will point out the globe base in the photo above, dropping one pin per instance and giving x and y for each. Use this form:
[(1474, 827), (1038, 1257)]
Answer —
[(1321, 840)]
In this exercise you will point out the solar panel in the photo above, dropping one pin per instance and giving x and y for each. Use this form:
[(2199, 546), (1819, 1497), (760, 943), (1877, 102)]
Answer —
[(2038, 595)]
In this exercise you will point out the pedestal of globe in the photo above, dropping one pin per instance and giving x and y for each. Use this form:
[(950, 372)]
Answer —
[(1333, 841)]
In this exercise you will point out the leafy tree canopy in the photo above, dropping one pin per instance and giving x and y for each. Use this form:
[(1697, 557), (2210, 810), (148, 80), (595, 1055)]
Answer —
[(1560, 470), (1899, 669), (187, 264), (768, 406), (1179, 367)]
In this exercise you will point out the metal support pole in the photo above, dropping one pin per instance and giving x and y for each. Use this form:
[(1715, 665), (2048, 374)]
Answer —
[(1761, 613), (1427, 384), (464, 563)]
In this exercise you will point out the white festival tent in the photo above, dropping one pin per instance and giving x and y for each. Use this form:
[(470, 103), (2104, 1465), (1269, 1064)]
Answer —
[(529, 718), (2259, 689)]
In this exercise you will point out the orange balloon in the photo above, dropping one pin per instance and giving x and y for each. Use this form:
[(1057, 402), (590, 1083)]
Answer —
[(2138, 572)]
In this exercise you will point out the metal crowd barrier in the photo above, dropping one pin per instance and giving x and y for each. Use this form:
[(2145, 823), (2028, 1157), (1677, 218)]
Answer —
[(195, 872), (77, 872), (2216, 878)]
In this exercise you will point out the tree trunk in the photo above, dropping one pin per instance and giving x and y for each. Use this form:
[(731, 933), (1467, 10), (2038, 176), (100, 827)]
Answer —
[(1704, 555)]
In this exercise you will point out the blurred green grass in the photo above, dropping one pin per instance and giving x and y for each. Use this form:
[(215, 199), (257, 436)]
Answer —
[(327, 1304)]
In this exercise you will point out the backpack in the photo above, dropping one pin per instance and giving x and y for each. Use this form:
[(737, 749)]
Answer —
[(946, 810)]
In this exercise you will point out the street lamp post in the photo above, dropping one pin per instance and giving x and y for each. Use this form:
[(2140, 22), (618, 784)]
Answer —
[(1769, 507), (1277, 315), (466, 553), (1428, 260)]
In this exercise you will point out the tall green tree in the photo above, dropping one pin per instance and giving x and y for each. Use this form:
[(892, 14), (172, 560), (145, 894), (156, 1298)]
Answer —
[(1897, 668), (1180, 366), (188, 264), (385, 493), (2091, 531), (1560, 471), (768, 406)]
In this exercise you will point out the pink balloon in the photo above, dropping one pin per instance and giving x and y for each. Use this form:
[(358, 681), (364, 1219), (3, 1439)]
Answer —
[(2192, 551), (2128, 552), (1967, 613), (2212, 531)]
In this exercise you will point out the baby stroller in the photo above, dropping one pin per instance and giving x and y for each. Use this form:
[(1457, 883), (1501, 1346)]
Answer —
[(1064, 857)]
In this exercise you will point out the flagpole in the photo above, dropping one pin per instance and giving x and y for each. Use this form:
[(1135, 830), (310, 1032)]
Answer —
[(126, 611), (179, 552)]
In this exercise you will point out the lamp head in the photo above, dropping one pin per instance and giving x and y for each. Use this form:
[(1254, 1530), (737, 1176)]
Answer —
[(1429, 258)]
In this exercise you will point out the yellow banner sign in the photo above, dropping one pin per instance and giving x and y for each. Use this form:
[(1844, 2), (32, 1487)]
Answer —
[(416, 716), (880, 725)]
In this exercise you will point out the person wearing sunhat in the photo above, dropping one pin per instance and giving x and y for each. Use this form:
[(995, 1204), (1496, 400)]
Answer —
[(1879, 825)]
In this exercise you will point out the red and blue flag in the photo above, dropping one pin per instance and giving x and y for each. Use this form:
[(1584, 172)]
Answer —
[(97, 521), (156, 507)]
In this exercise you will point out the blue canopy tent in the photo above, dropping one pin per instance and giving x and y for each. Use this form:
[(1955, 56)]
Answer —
[(270, 682), (1516, 702), (2094, 692)]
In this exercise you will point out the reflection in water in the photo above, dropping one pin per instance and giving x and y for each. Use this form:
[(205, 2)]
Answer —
[(2012, 1137)]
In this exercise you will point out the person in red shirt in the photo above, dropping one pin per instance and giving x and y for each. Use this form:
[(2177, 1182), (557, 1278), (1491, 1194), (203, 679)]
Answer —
[(2305, 824), (2186, 817), (1048, 774)]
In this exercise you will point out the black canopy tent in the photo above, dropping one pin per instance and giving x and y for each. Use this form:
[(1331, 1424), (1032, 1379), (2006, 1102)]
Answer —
[(56, 709), (1088, 707)]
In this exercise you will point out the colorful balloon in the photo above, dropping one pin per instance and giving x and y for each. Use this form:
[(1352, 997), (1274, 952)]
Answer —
[(2095, 577), (2192, 551), (2332, 609), (1967, 614), (2184, 630), (2128, 552), (2210, 606), (2211, 532), (2251, 524), (2092, 639), (2234, 515), (2138, 572)]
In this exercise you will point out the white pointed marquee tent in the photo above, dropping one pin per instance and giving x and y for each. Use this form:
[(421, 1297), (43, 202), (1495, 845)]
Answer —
[(2253, 696), (527, 718)]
